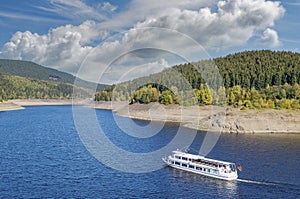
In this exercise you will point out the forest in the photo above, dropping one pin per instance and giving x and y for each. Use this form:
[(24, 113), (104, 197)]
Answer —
[(32, 70), (15, 87), (250, 79)]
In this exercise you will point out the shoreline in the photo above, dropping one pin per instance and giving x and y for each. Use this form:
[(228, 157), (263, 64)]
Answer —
[(9, 106), (211, 118), (19, 104), (202, 118), (41, 102)]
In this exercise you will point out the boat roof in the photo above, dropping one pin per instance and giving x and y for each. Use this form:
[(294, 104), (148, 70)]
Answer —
[(192, 156)]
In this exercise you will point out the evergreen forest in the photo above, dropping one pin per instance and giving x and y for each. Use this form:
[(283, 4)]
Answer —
[(250, 79)]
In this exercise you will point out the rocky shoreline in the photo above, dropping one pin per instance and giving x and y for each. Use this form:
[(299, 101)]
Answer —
[(212, 118)]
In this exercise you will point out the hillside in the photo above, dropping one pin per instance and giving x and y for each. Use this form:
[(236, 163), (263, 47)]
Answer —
[(252, 79), (15, 87), (32, 70)]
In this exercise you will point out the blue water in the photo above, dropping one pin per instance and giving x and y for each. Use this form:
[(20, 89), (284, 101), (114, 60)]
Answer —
[(42, 156)]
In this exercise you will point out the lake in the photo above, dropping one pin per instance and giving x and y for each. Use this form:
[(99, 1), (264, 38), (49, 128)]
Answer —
[(43, 156)]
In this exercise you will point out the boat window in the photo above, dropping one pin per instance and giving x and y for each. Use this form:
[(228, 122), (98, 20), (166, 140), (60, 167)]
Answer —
[(198, 168), (204, 169), (177, 163), (232, 167), (192, 166), (184, 165), (184, 158)]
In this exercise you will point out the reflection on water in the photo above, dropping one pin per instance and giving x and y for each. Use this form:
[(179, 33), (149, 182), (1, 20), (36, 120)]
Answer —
[(221, 186)]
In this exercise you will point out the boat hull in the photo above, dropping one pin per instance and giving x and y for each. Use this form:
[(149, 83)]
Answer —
[(227, 178)]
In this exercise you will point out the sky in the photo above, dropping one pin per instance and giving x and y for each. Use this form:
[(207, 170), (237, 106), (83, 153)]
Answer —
[(111, 41)]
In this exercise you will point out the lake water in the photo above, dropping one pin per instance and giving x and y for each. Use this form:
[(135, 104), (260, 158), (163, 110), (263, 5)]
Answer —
[(42, 156)]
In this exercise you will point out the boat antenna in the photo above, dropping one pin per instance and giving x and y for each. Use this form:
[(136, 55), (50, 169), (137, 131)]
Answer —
[(185, 149)]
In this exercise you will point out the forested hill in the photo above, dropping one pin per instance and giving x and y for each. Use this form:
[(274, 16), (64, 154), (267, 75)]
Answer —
[(260, 68), (15, 87), (261, 78), (32, 70), (249, 69)]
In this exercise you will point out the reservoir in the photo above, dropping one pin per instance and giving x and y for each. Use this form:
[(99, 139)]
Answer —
[(43, 156)]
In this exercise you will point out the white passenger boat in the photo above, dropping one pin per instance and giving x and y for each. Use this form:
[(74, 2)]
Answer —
[(201, 165)]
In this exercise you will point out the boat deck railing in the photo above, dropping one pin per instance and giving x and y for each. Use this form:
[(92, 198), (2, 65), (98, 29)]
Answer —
[(205, 163)]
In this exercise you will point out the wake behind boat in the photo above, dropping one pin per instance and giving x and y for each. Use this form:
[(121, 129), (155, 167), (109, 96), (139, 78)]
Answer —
[(201, 165)]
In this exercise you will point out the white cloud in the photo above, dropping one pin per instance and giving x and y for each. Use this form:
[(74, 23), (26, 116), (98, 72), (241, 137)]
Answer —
[(139, 47), (27, 17), (119, 73), (107, 7), (78, 10), (234, 23), (63, 47), (215, 26), (139, 10), (270, 38)]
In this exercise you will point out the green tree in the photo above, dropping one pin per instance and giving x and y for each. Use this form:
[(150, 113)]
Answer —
[(166, 97)]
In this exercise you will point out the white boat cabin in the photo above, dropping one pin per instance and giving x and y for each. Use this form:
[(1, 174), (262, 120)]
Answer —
[(201, 165)]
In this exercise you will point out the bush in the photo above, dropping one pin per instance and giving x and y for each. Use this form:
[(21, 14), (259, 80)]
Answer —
[(248, 104), (295, 104), (262, 103), (243, 108), (256, 104), (166, 97), (270, 104), (286, 103)]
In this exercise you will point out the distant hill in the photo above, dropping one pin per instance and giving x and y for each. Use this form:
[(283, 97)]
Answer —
[(32, 70), (259, 78), (16, 87)]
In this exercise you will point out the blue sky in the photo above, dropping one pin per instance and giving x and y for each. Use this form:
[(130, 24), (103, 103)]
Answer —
[(62, 33)]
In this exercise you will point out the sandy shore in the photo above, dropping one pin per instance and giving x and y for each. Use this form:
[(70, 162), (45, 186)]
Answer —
[(19, 103), (211, 118), (40, 102), (8, 106)]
